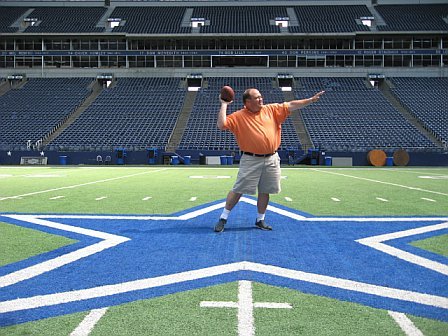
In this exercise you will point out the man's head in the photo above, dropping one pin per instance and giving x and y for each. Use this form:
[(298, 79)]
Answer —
[(252, 100)]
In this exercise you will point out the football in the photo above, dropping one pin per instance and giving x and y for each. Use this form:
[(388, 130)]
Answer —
[(227, 93)]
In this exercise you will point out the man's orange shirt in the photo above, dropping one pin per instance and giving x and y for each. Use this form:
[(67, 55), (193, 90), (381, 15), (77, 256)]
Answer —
[(260, 132)]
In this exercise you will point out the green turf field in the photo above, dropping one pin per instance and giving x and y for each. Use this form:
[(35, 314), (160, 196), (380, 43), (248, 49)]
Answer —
[(329, 191), (151, 190)]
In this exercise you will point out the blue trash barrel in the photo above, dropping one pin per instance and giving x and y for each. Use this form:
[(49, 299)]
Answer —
[(174, 160), (63, 160), (223, 159), (328, 160), (229, 160), (389, 161), (187, 159)]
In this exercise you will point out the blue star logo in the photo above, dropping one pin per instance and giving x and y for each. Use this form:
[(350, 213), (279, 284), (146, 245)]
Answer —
[(119, 259)]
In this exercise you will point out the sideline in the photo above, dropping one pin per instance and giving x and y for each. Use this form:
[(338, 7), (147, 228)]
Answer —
[(81, 184), (381, 182)]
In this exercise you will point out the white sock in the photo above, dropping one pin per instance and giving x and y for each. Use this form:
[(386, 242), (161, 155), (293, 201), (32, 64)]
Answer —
[(260, 217), (225, 214)]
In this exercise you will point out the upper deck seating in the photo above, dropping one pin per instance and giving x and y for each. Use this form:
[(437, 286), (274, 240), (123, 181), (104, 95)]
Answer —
[(427, 17), (8, 15), (67, 20), (239, 19), (330, 19), (150, 20)]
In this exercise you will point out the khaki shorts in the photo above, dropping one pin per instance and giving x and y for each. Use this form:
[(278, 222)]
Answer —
[(262, 173)]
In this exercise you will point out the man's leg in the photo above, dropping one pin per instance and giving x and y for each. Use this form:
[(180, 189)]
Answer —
[(262, 205), (231, 200)]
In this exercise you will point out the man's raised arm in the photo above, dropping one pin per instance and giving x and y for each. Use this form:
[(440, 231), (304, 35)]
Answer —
[(301, 103)]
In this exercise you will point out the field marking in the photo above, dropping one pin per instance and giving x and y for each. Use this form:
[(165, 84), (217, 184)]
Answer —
[(245, 306), (335, 199), (88, 323), (209, 177), (435, 177), (102, 291), (44, 175), (428, 199), (100, 198), (381, 182), (288, 199), (376, 242), (192, 199), (108, 241), (146, 198), (405, 324), (56, 197), (47, 300), (82, 184), (382, 199)]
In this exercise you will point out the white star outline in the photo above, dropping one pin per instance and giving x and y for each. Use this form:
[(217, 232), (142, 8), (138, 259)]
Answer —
[(111, 240)]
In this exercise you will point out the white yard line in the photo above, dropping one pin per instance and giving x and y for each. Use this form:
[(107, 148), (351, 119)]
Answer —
[(382, 199), (56, 197), (405, 324), (377, 242), (82, 184), (381, 182), (245, 309), (141, 284), (335, 199), (109, 240), (428, 199), (86, 326), (245, 306)]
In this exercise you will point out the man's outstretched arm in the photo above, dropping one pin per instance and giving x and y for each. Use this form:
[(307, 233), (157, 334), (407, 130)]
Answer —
[(301, 103)]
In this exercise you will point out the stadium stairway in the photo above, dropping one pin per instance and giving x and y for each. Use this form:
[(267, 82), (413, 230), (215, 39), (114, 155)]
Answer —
[(181, 123), (96, 90), (4, 87), (384, 87), (298, 123)]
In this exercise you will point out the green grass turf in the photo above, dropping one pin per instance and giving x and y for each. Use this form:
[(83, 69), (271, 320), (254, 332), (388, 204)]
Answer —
[(19, 243), (437, 244), (171, 188), (181, 314), (61, 326)]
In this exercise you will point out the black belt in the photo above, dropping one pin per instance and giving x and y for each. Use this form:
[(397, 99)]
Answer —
[(259, 155)]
